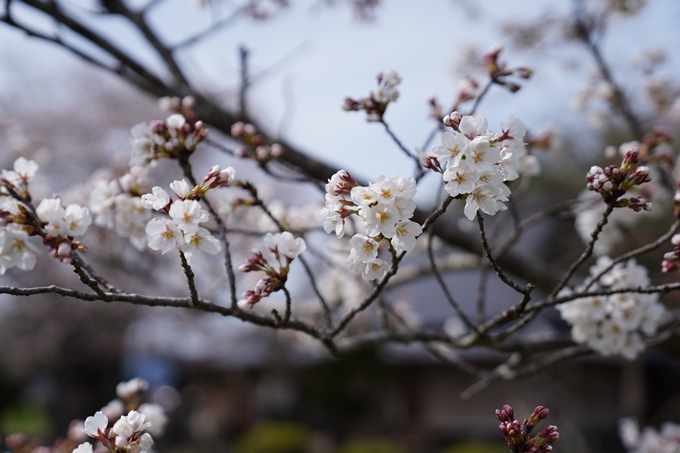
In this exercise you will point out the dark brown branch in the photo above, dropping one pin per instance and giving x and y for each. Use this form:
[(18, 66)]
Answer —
[(190, 279), (587, 252), (445, 289), (633, 253), (504, 278)]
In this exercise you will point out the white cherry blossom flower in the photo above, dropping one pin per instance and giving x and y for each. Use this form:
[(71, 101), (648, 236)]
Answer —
[(375, 270), (24, 170), (50, 210), (288, 245), (460, 179), (404, 239), (481, 156), (181, 188), (138, 421), (405, 206), (187, 214), (200, 241), (95, 426), (333, 222), (364, 248), (16, 250), (77, 219), (509, 164), (406, 186), (483, 198), (451, 149), (163, 235), (363, 196), (381, 219), (157, 199), (385, 189), (473, 126), (123, 428)]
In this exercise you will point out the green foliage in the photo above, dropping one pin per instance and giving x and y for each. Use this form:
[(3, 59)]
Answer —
[(275, 437), (478, 447), (27, 419), (372, 446)]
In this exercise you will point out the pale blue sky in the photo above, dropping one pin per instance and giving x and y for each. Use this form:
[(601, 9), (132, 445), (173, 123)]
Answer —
[(335, 56)]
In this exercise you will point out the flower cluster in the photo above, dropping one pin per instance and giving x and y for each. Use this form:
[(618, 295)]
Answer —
[(639, 198), (279, 252), (165, 139), (130, 433), (182, 231), (665, 440), (58, 226), (255, 147), (376, 104), (614, 181), (615, 324), (117, 205), (475, 161), (61, 226), (385, 208), (518, 435)]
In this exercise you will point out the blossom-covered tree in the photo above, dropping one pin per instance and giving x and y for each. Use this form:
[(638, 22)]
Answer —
[(362, 237)]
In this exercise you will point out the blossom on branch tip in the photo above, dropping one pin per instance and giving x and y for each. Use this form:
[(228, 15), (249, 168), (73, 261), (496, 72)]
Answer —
[(181, 188), (24, 170), (95, 426), (158, 199)]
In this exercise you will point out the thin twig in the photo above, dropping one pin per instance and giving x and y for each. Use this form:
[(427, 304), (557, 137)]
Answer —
[(215, 27), (504, 278), (419, 172), (190, 279), (286, 316), (633, 253), (447, 294), (228, 263), (587, 252), (479, 97)]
